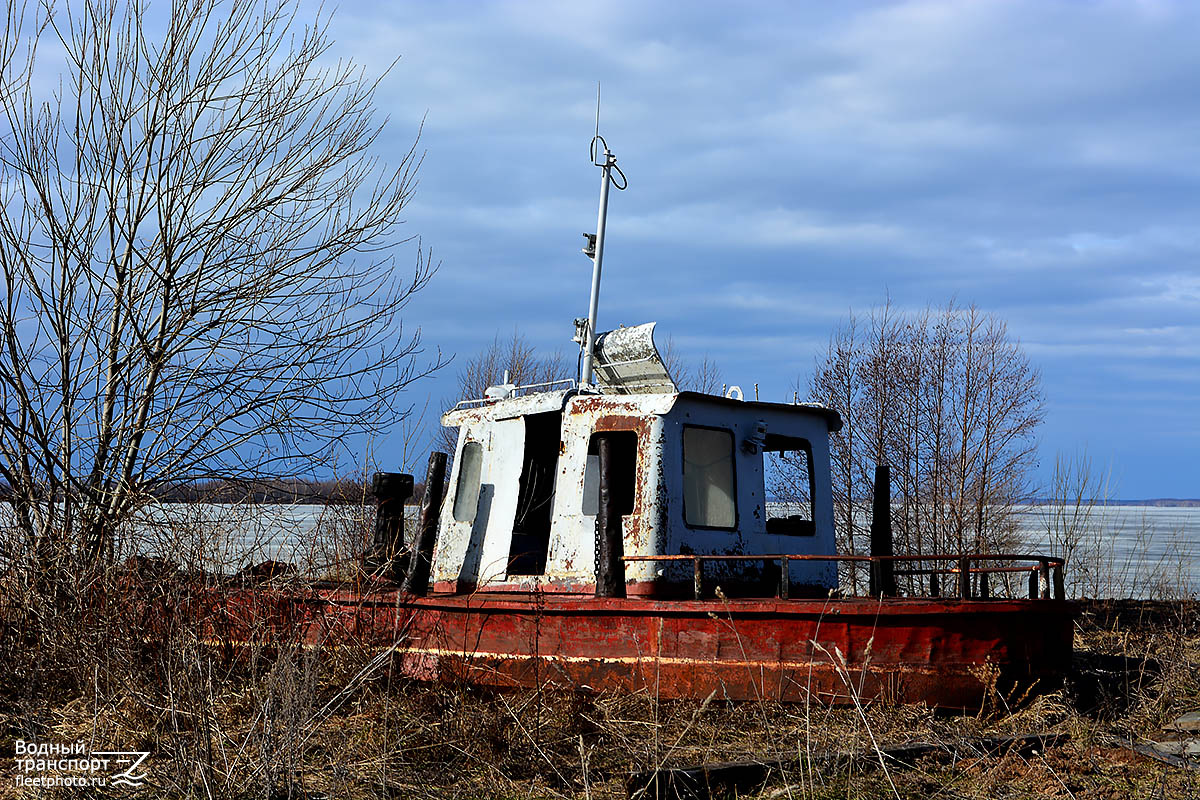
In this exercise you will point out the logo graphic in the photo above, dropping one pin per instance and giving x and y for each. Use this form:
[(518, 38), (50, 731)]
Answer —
[(126, 777)]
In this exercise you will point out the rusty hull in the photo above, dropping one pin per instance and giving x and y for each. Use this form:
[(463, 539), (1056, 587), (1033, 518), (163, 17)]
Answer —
[(947, 653)]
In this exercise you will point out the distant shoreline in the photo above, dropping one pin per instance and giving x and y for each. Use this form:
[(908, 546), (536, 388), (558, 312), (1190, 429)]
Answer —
[(1158, 502)]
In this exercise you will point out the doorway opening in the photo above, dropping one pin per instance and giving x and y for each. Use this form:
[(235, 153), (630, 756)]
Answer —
[(535, 495)]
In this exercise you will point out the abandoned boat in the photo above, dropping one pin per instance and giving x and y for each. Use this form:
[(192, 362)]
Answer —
[(613, 533)]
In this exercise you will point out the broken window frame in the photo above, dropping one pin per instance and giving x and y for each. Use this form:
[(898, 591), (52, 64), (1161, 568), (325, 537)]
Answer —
[(792, 524)]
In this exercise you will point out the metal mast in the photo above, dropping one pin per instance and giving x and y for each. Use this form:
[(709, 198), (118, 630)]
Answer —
[(595, 248)]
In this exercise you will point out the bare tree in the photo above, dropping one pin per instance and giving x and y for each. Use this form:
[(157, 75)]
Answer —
[(514, 356), (704, 376), (197, 251), (836, 384), (952, 403)]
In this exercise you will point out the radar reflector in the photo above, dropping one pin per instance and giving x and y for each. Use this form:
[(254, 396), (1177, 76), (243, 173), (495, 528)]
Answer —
[(627, 362)]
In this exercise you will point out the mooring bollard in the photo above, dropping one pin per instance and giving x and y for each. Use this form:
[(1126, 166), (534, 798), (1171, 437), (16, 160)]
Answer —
[(391, 490), (417, 580)]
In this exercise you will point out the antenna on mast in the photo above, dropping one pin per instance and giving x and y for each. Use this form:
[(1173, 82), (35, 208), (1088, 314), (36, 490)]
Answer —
[(594, 248)]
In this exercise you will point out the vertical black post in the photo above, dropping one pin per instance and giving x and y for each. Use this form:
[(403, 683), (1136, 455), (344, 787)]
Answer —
[(610, 550), (417, 580), (391, 490), (964, 578), (883, 580)]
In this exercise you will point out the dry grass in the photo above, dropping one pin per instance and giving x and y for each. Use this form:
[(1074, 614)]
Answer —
[(100, 657), (300, 723)]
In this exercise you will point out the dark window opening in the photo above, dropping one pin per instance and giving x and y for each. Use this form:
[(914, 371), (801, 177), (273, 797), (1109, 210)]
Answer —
[(623, 449), (535, 495), (709, 478), (788, 474)]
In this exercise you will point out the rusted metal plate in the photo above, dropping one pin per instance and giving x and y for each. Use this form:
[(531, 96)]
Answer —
[(947, 653)]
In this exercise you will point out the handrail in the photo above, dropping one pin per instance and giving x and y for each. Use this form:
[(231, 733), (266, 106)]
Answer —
[(483, 401), (1045, 573)]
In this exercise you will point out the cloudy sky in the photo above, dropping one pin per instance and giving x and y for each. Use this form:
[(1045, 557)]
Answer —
[(790, 164)]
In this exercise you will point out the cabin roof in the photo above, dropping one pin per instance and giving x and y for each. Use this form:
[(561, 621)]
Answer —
[(652, 404), (831, 416)]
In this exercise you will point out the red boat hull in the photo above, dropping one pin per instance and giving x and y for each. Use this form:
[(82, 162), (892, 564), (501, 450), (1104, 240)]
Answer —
[(943, 652)]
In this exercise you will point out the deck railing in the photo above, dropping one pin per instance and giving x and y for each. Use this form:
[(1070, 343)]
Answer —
[(1045, 573)]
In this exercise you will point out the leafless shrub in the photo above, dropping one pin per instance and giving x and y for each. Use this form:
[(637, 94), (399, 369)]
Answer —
[(514, 356), (1111, 551), (702, 376)]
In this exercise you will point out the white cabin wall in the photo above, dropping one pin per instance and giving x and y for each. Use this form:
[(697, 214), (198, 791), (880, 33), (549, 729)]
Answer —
[(470, 554), (475, 553), (453, 536), (572, 553)]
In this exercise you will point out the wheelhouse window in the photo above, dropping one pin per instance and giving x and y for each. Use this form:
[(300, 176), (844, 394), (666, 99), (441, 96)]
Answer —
[(466, 493), (788, 471), (624, 449), (709, 478)]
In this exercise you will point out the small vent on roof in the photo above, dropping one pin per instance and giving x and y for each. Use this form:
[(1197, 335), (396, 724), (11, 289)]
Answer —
[(627, 362)]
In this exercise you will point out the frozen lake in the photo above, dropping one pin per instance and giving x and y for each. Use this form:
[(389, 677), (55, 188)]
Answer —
[(1125, 550)]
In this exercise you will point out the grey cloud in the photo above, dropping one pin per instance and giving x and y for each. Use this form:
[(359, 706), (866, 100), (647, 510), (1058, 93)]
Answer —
[(787, 163)]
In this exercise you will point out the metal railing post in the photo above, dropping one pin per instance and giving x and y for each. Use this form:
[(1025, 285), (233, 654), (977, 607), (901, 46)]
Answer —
[(417, 579)]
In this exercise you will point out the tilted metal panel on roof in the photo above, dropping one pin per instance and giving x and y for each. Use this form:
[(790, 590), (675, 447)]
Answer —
[(627, 362)]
